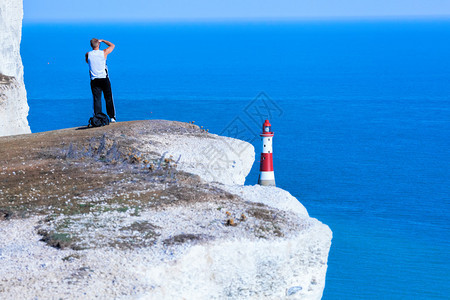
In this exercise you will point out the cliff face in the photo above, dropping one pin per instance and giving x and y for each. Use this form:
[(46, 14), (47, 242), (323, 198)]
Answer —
[(13, 98), (152, 210)]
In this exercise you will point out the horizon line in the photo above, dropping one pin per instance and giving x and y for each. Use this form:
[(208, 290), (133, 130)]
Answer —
[(242, 20)]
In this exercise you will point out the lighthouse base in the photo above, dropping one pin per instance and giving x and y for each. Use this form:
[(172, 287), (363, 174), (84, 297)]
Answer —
[(266, 178), (266, 182)]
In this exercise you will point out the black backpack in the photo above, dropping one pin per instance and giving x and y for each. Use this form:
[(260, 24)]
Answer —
[(99, 120)]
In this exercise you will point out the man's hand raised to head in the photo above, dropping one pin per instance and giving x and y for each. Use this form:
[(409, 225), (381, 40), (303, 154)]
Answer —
[(110, 47)]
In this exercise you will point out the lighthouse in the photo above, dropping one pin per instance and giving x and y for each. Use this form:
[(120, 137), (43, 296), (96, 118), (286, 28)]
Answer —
[(266, 175)]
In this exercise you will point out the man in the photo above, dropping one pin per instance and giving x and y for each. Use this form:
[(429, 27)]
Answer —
[(99, 77)]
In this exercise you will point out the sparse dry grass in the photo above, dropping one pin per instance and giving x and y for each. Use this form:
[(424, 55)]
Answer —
[(55, 172), (74, 177)]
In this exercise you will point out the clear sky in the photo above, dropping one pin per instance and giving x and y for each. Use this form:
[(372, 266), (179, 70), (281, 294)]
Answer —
[(160, 10)]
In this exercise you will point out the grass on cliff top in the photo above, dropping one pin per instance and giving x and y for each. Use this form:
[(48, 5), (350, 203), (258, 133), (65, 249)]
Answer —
[(80, 171), (79, 178)]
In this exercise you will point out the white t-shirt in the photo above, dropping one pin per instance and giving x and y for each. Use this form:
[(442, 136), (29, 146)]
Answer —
[(97, 64)]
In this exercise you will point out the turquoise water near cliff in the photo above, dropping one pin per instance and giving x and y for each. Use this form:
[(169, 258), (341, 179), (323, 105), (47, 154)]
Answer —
[(360, 111)]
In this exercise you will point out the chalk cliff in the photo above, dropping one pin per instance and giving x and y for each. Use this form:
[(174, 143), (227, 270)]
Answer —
[(13, 97), (150, 210)]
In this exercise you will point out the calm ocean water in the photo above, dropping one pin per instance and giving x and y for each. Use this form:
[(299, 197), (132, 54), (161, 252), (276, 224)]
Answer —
[(360, 110)]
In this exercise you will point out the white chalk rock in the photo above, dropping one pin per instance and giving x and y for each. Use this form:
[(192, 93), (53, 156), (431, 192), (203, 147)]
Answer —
[(13, 97), (291, 268), (214, 158), (269, 195)]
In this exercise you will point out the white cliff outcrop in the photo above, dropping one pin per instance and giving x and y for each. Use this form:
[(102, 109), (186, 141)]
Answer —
[(13, 97), (127, 220)]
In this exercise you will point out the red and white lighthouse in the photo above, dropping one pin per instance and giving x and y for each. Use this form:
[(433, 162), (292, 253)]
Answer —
[(266, 175)]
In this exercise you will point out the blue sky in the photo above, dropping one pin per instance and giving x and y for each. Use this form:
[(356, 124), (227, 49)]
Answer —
[(197, 10)]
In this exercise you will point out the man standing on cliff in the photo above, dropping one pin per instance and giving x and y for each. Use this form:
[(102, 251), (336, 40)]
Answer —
[(99, 77)]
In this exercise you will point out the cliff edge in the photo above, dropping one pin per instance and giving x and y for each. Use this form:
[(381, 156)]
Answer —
[(141, 209), (13, 97)]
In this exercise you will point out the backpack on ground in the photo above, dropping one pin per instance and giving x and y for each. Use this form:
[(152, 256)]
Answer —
[(98, 120)]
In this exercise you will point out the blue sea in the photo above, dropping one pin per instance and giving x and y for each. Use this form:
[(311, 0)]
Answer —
[(360, 111)]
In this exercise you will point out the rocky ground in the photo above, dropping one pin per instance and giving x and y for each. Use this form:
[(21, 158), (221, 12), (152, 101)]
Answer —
[(82, 180), (76, 202)]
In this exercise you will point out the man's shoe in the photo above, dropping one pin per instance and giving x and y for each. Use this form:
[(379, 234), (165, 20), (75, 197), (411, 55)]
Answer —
[(113, 120)]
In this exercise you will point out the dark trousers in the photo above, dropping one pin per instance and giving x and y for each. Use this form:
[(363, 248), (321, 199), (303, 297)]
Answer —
[(98, 86)]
